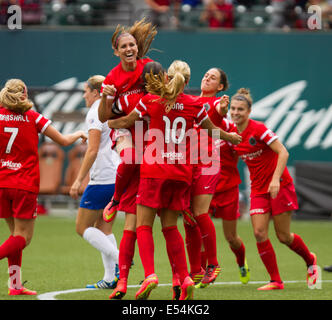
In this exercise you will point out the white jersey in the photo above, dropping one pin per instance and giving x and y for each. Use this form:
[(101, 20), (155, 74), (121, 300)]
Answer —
[(103, 170)]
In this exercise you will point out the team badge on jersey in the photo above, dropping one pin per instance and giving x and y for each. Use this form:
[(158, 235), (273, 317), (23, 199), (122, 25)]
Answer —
[(252, 141), (207, 106)]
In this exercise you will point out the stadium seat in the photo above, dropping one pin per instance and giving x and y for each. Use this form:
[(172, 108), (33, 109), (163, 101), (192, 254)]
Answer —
[(51, 158), (75, 158)]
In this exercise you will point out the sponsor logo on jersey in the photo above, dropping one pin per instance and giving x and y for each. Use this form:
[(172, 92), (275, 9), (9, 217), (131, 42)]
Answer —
[(10, 165), (172, 155), (251, 156)]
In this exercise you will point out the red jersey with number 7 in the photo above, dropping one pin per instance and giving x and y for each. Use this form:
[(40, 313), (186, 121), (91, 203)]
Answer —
[(168, 155), (19, 166)]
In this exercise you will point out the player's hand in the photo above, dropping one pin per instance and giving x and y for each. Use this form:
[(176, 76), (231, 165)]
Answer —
[(109, 90), (222, 107), (83, 136), (73, 192), (234, 138), (274, 188)]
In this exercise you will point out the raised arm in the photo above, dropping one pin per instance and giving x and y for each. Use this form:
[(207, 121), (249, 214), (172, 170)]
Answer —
[(232, 137), (124, 122), (105, 106)]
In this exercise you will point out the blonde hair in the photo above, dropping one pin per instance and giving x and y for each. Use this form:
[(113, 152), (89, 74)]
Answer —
[(243, 94), (14, 96), (178, 76), (95, 82), (143, 32)]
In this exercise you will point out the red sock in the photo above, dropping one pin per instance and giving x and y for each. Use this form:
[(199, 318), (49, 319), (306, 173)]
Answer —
[(14, 269), (126, 252), (125, 171), (239, 254), (208, 233), (193, 245), (302, 250), (269, 259), (146, 248), (11, 246), (203, 259), (176, 251)]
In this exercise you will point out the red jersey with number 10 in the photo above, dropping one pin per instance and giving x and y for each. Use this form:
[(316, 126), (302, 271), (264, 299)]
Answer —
[(19, 166), (167, 155)]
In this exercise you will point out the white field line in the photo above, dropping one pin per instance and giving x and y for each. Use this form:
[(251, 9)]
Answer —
[(53, 294)]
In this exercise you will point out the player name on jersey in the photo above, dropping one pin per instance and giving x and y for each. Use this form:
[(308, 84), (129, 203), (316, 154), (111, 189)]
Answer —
[(13, 117)]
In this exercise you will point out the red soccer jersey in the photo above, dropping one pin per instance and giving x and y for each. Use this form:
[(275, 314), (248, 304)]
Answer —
[(261, 160), (19, 149), (167, 155), (126, 82)]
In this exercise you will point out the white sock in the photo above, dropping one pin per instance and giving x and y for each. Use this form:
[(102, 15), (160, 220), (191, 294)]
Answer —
[(109, 263), (99, 240)]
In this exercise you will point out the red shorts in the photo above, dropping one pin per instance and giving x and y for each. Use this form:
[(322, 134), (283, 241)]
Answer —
[(163, 194), (18, 204), (225, 205), (128, 199), (203, 184), (286, 200)]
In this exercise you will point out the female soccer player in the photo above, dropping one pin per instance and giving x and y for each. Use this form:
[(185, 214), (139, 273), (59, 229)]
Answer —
[(101, 162), (19, 172), (166, 171), (272, 189), (130, 45), (223, 187)]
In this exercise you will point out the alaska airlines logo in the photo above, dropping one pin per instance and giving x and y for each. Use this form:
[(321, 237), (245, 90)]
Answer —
[(290, 119), (283, 111)]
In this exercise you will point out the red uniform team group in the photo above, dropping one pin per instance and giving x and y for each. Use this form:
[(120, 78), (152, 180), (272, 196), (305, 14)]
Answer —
[(179, 156)]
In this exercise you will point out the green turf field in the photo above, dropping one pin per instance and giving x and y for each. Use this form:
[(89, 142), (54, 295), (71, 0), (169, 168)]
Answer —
[(59, 260)]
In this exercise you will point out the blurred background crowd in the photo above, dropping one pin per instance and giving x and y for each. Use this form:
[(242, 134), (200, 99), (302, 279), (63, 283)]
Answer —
[(173, 14)]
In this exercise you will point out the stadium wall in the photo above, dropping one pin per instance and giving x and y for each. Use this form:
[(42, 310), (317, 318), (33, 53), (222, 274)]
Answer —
[(289, 74)]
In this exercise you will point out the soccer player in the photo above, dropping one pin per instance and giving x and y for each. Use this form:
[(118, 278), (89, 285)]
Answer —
[(272, 189), (19, 172), (166, 171), (130, 45), (222, 186), (100, 162)]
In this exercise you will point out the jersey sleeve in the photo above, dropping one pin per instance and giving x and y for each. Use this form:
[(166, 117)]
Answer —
[(266, 135), (41, 122), (93, 121), (201, 116), (141, 108)]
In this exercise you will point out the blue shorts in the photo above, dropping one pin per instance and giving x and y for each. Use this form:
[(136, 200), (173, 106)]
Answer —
[(96, 197)]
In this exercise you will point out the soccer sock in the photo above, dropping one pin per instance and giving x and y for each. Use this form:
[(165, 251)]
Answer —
[(203, 258), (126, 252), (176, 251), (11, 246), (99, 240), (125, 171), (146, 248), (193, 245), (302, 250), (109, 262), (208, 233), (240, 254), (269, 259), (14, 269)]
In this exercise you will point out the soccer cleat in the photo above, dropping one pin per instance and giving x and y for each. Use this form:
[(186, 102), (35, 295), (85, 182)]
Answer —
[(273, 285), (176, 287), (102, 284), (197, 276), (244, 273), (149, 283), (188, 218), (111, 210), (21, 291), (187, 289), (120, 290), (312, 272), (211, 274)]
